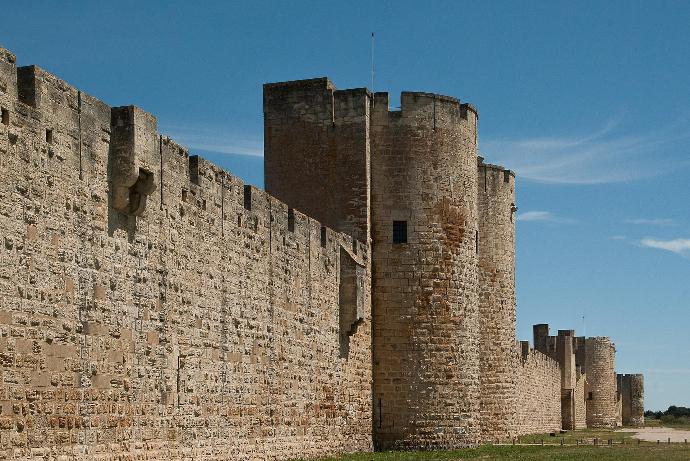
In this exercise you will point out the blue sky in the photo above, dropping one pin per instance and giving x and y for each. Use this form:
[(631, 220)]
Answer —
[(587, 101)]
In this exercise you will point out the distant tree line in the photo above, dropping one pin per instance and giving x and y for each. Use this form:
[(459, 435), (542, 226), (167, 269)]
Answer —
[(673, 416), (672, 411)]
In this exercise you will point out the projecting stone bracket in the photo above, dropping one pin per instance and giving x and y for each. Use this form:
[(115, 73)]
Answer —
[(132, 159), (351, 298), (132, 199)]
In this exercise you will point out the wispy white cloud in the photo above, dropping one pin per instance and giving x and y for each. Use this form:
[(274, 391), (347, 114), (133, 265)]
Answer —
[(603, 156), (678, 246), (650, 221), (544, 216), (214, 140)]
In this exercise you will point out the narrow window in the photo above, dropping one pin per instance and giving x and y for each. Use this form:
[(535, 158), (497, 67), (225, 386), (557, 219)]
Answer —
[(5, 116), (184, 195), (506, 175), (248, 198), (399, 232), (380, 414), (476, 241), (589, 396), (291, 220), (323, 236), (203, 204), (49, 136)]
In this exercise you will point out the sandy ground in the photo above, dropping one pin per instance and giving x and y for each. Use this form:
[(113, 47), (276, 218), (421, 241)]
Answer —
[(652, 434)]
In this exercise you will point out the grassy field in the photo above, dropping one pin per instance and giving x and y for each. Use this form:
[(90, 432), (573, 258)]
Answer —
[(536, 453), (677, 423), (577, 445)]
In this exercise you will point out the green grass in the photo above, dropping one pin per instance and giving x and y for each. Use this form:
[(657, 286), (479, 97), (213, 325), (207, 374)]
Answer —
[(534, 453), (680, 422), (584, 435), (624, 447)]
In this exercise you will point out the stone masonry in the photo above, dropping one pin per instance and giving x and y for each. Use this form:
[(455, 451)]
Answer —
[(496, 250), (153, 306), (538, 392)]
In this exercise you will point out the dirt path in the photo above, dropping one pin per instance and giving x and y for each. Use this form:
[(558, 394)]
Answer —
[(652, 434)]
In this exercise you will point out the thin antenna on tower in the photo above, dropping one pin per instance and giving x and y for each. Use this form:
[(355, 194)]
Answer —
[(584, 327), (372, 62)]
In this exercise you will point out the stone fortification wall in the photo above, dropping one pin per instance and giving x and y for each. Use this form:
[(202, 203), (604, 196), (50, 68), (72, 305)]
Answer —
[(426, 352), (153, 306), (601, 382), (496, 264), (539, 393)]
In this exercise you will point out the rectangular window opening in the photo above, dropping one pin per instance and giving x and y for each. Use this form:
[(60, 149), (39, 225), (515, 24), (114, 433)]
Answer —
[(291, 220), (248, 198), (399, 232), (5, 116), (323, 236), (49, 136), (476, 241), (589, 396), (184, 195)]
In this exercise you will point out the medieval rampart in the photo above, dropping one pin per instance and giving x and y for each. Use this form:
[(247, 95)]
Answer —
[(538, 392), (155, 306)]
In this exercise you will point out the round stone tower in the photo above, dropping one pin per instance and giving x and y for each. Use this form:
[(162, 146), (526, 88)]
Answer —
[(425, 312), (496, 264), (600, 388)]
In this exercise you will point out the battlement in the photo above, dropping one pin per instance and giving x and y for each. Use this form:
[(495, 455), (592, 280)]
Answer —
[(315, 100), (421, 109), (138, 156)]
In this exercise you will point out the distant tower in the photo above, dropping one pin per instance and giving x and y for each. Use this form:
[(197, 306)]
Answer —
[(425, 312), (496, 254), (600, 390), (565, 353), (632, 395)]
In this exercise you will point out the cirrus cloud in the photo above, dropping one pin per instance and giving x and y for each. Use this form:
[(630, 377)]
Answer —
[(606, 155), (678, 246), (544, 216)]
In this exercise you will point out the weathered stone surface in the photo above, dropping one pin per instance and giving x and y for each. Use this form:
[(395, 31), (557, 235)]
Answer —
[(600, 388), (538, 393), (496, 253), (631, 387)]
